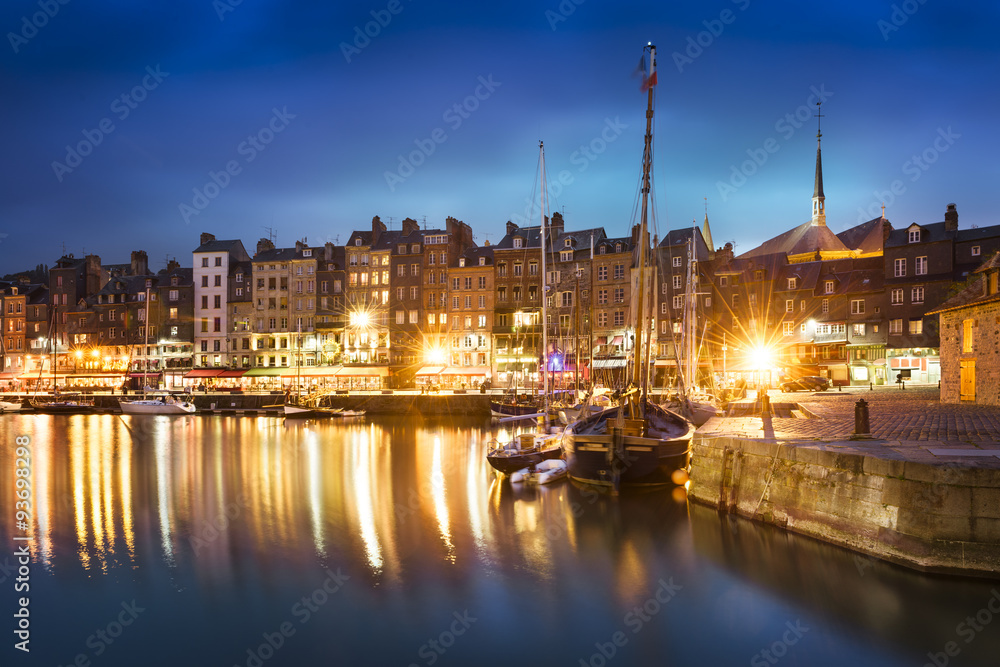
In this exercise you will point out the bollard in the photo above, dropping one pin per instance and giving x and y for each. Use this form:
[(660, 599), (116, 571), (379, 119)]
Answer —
[(871, 386), (861, 425), (840, 387), (902, 384)]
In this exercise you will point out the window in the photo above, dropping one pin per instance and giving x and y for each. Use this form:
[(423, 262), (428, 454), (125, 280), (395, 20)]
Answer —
[(619, 318), (676, 261), (217, 322), (917, 295), (858, 329), (916, 326), (789, 305), (825, 306), (414, 292), (678, 302), (857, 307), (619, 271), (975, 251), (677, 282), (723, 281), (414, 269), (896, 297), (913, 236), (218, 281), (218, 301), (602, 273), (518, 269), (518, 242), (792, 282), (788, 328), (828, 287), (802, 306), (204, 281), (502, 294), (921, 266), (736, 301), (567, 299), (602, 319), (602, 297), (968, 329), (619, 295), (899, 267)]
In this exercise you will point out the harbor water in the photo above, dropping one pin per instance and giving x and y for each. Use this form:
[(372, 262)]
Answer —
[(254, 541)]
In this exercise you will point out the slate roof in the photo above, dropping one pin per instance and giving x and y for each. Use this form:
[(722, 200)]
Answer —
[(807, 237), (220, 246), (866, 237)]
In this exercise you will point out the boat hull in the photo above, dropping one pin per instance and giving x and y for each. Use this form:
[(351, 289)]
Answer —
[(9, 406), (62, 408), (508, 462), (142, 407), (500, 409), (600, 458)]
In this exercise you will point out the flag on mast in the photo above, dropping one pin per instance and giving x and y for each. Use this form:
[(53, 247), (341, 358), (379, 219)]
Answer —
[(642, 71)]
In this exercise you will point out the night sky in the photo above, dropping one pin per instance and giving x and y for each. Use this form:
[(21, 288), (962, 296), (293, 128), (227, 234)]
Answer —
[(312, 117)]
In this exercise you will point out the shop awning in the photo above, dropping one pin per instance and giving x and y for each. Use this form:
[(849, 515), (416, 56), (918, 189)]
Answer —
[(430, 370), (609, 363), (665, 362), (203, 373), (8, 375), (263, 372), (617, 340), (318, 371), (466, 370), (363, 371), (231, 374), (151, 374)]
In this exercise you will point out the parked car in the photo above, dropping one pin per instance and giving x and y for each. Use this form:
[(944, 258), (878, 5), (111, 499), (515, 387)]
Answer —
[(807, 383)]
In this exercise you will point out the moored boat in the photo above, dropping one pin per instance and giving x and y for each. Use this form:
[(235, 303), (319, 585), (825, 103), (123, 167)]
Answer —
[(524, 450), (163, 405), (61, 406), (544, 472), (11, 406)]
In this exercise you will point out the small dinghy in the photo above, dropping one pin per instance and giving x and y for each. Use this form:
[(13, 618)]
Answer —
[(543, 472)]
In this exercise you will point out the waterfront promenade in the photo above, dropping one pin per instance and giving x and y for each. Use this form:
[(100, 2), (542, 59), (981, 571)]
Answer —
[(923, 490)]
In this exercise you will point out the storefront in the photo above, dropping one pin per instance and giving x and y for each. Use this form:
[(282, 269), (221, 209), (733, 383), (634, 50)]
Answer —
[(362, 378), (920, 365)]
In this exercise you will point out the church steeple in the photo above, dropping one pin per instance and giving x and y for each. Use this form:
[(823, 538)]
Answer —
[(706, 232), (819, 200)]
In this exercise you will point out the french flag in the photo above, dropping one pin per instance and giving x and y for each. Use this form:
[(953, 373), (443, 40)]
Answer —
[(647, 81)]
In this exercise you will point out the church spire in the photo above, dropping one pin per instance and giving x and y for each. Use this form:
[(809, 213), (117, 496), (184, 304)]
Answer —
[(819, 200), (706, 232)]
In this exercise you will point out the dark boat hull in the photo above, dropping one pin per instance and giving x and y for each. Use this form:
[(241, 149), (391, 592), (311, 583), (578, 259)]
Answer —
[(57, 408), (513, 409), (508, 463), (597, 458)]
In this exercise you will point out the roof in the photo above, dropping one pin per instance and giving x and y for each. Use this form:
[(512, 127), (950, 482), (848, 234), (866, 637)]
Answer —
[(972, 295), (807, 237), (221, 246), (866, 237), (530, 234), (931, 233)]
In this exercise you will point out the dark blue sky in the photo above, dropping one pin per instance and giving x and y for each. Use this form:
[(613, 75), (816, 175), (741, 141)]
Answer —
[(897, 84)]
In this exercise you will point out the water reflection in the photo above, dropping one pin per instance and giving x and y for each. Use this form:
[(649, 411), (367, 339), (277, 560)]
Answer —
[(411, 509)]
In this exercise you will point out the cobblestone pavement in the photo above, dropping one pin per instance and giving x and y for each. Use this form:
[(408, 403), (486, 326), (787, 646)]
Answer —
[(900, 420)]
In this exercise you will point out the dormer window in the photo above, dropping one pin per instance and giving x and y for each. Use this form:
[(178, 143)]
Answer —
[(792, 283), (518, 242), (618, 247), (482, 261), (913, 236), (568, 242), (603, 250), (307, 252), (975, 251), (357, 242), (461, 261), (828, 287)]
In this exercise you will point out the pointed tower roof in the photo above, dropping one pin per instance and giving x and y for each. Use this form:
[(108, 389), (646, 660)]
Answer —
[(818, 198), (706, 231)]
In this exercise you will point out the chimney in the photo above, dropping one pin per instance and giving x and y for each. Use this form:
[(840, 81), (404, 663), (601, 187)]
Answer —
[(378, 227), (139, 263), (725, 254), (410, 226), (951, 219), (511, 227), (92, 275), (173, 265), (206, 238), (299, 246), (263, 246), (486, 243), (556, 224), (327, 251)]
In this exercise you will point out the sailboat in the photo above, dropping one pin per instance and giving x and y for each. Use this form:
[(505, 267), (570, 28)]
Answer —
[(637, 441), (303, 408), (528, 449), (160, 405), (57, 406)]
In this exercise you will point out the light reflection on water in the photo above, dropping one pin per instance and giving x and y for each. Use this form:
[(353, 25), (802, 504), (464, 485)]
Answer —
[(220, 524)]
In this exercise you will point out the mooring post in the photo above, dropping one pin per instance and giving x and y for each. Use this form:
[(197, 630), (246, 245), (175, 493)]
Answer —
[(861, 425)]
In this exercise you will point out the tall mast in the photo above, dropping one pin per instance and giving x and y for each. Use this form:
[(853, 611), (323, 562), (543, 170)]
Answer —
[(145, 349), (640, 327), (545, 324)]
